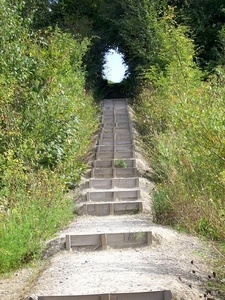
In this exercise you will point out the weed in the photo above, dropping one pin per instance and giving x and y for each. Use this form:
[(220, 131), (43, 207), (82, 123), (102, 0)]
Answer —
[(120, 163), (32, 219), (138, 236)]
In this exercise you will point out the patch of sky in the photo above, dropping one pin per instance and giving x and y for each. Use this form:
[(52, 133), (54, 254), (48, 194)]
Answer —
[(114, 68)]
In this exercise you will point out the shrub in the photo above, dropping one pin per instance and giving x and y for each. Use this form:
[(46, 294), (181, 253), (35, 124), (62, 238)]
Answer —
[(47, 122), (181, 120), (33, 208)]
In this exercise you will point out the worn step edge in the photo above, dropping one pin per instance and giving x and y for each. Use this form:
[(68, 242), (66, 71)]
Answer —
[(110, 183), (114, 142), (152, 295), (121, 195), (115, 135), (116, 118), (115, 148), (113, 172), (115, 123), (115, 155), (117, 130), (111, 163), (110, 208), (104, 240)]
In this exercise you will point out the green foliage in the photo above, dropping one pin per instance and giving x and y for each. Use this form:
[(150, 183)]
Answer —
[(137, 27), (47, 107), (47, 120), (33, 208), (47, 117), (132, 27), (181, 116), (182, 121), (120, 163), (205, 19)]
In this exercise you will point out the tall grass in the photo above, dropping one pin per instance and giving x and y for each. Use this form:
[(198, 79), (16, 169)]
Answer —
[(36, 207), (181, 118)]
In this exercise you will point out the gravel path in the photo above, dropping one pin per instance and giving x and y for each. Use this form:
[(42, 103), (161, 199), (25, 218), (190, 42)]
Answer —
[(164, 265)]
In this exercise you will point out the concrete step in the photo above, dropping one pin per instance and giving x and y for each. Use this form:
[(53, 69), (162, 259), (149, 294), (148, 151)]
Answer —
[(114, 183), (114, 111), (113, 102), (111, 123), (110, 208), (115, 148), (117, 135), (115, 155), (116, 240), (113, 195), (111, 163), (112, 142), (116, 130), (120, 125), (113, 172), (115, 107), (153, 295), (115, 117)]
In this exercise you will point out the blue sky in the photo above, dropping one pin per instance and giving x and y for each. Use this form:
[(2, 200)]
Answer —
[(114, 69)]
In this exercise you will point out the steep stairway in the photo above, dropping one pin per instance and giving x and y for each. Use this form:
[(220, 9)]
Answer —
[(114, 173), (112, 196), (114, 185)]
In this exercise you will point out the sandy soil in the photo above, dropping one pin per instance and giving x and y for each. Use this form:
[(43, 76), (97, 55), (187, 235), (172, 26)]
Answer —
[(167, 264)]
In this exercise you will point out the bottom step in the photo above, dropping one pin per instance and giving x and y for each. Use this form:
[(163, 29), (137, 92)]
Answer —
[(114, 240), (158, 295), (110, 208)]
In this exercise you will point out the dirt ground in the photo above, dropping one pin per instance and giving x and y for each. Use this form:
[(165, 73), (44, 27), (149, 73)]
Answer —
[(175, 261)]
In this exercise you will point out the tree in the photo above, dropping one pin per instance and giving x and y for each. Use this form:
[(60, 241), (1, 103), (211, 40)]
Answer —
[(205, 19)]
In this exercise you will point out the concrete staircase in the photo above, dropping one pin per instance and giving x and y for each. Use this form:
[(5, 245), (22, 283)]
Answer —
[(114, 185), (113, 189)]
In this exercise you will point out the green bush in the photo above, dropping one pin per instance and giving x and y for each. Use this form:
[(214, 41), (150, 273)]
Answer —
[(33, 208), (47, 121), (180, 115), (181, 118)]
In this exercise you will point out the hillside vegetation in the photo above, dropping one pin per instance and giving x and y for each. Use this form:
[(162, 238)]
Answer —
[(51, 63), (47, 120)]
